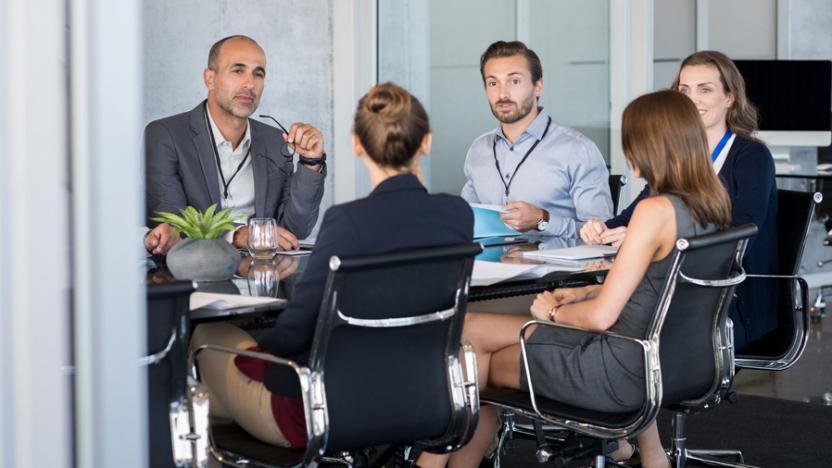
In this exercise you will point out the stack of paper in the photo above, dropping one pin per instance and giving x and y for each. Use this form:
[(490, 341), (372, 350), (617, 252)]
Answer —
[(579, 254), (488, 273), (219, 301)]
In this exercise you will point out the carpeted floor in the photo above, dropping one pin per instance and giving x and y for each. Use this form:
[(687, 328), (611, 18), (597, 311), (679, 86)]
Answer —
[(769, 432)]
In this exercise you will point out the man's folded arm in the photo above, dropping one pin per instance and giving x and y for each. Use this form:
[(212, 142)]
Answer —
[(301, 199)]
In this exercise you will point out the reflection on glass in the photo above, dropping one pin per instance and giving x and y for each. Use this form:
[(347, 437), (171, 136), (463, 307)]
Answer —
[(263, 278)]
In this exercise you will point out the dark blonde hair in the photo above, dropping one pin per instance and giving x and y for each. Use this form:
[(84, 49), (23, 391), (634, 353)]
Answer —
[(741, 117), (663, 136), (390, 124)]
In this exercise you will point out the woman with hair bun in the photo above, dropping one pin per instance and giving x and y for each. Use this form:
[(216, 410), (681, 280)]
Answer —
[(391, 134)]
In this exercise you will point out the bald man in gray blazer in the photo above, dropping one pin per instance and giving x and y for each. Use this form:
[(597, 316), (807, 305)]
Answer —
[(216, 154)]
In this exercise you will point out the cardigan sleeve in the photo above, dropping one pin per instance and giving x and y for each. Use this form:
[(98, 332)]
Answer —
[(753, 184), (623, 219)]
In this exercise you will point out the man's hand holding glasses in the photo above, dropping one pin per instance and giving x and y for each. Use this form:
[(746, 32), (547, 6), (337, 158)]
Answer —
[(304, 140)]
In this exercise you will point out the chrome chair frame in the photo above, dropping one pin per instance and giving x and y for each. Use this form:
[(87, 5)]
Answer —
[(616, 181), (461, 373), (723, 357)]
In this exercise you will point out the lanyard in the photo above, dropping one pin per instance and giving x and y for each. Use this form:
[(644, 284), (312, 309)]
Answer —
[(225, 184), (720, 145), (497, 163)]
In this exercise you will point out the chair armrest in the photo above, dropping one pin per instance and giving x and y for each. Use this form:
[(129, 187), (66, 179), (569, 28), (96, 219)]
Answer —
[(242, 352), (157, 357), (462, 374), (470, 382), (800, 318), (652, 383), (312, 391), (577, 329)]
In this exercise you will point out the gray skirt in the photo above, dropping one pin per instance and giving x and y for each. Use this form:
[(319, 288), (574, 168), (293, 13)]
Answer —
[(587, 371)]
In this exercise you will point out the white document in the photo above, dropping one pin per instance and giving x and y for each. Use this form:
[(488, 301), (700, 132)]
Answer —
[(293, 253), (573, 254), (227, 301), (497, 208), (488, 273)]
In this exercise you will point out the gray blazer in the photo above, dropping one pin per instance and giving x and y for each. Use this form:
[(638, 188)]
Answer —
[(181, 170)]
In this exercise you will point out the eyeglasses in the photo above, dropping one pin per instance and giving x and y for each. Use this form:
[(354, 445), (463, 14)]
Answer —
[(287, 150)]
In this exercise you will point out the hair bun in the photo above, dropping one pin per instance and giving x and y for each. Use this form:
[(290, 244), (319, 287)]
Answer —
[(391, 124), (388, 103)]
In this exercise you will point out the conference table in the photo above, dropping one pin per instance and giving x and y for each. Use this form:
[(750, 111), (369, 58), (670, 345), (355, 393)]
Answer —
[(276, 278)]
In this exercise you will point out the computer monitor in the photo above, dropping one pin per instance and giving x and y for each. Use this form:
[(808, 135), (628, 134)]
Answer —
[(793, 99)]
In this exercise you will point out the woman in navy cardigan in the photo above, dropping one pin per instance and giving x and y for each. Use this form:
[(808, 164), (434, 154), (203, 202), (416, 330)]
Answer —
[(711, 80), (391, 134)]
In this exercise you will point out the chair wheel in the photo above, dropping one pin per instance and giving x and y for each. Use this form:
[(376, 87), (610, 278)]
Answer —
[(543, 455)]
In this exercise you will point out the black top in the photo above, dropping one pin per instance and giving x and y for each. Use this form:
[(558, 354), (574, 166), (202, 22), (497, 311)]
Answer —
[(398, 215), (748, 176)]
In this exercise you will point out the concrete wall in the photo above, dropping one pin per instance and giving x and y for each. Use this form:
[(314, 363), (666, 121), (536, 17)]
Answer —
[(404, 52), (297, 38), (743, 29)]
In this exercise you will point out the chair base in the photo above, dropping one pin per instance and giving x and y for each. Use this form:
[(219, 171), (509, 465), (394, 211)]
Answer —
[(555, 445), (680, 455)]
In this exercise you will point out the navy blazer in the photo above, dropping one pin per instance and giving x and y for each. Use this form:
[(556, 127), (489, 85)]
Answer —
[(748, 176), (398, 215)]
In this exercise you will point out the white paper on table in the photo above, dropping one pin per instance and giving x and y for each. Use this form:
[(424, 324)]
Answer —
[(540, 271), (488, 273), (227, 301), (293, 253), (497, 208), (573, 254)]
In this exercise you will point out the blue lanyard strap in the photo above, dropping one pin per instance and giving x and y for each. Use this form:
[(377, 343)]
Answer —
[(721, 145)]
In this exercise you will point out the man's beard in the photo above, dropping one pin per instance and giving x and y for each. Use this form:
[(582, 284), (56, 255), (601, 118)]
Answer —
[(519, 112), (240, 111)]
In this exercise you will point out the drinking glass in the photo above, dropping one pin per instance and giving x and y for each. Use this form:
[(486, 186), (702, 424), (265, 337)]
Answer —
[(262, 237), (263, 278)]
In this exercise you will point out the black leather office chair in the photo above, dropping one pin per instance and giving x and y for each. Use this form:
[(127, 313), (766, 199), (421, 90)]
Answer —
[(686, 357), (781, 348), (384, 366), (167, 341), (616, 182)]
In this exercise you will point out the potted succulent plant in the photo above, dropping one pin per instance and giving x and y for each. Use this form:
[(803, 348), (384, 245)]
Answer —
[(204, 254)]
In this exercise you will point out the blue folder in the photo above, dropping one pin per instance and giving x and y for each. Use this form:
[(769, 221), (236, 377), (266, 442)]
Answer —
[(487, 224)]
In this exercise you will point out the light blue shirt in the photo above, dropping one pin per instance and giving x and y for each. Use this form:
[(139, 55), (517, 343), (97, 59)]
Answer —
[(565, 175)]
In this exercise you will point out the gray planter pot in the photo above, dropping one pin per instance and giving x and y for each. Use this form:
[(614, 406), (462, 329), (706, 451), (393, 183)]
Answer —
[(203, 260)]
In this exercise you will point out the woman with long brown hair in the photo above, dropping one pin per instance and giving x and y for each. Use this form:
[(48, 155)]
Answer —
[(714, 84), (665, 143)]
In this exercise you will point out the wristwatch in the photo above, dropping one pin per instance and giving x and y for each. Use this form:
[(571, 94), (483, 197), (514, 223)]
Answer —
[(543, 222), (312, 161)]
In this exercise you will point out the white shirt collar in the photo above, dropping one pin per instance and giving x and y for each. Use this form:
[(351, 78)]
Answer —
[(220, 139)]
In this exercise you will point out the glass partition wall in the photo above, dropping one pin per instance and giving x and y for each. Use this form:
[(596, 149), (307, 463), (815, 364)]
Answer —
[(433, 48)]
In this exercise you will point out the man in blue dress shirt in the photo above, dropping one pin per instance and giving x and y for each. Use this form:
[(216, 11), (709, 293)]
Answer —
[(550, 179)]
